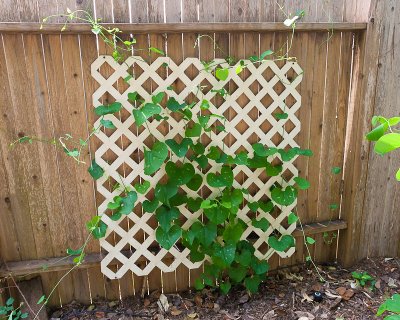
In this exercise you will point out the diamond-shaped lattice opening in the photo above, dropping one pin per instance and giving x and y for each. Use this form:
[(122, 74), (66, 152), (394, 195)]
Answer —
[(205, 86), (124, 115), (142, 262), (124, 170), (137, 71), (241, 177), (163, 71), (191, 71), (289, 126), (137, 156), (230, 113), (229, 139), (106, 98), (263, 248), (137, 130), (163, 128), (263, 176), (178, 86), (252, 237), (242, 126), (242, 100), (113, 238), (287, 175), (255, 87), (254, 113), (192, 99), (268, 74), (106, 70), (290, 100), (123, 142), (266, 100), (279, 87), (277, 138), (291, 75), (253, 189), (231, 87), (266, 126), (205, 192), (109, 157), (205, 139), (148, 142), (120, 85)]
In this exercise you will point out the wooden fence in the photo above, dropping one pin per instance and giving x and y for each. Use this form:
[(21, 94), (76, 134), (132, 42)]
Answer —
[(47, 89)]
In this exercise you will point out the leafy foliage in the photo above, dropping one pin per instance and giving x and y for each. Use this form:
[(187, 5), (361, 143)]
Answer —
[(391, 305)]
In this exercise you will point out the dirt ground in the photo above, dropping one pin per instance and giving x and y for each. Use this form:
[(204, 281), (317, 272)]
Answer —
[(290, 294)]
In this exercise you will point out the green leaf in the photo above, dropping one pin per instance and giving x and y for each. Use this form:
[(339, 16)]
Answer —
[(174, 105), (179, 175), (195, 183), (72, 153), (284, 197), (199, 284), (205, 105), (281, 116), (154, 158), (92, 223), (198, 148), (205, 234), (273, 171), (262, 151), (292, 218), (377, 132), (252, 283), (167, 239), (231, 198), (223, 255), (282, 244), (398, 175), (207, 204), (148, 110), (165, 216), (241, 158), (73, 252), (150, 206), (305, 152), (222, 73), (310, 240), (202, 161), (95, 170), (225, 287), (100, 231), (194, 131), (217, 215), (257, 162), (142, 188), (194, 204), (336, 170), (302, 183), (110, 109), (266, 206), (156, 50), (237, 273), (225, 179), (178, 199), (333, 206), (259, 266), (214, 153), (164, 192), (107, 124), (387, 143), (393, 304), (158, 97), (232, 233), (262, 224), (128, 203), (266, 53), (180, 149), (253, 206), (41, 299), (289, 154), (133, 96), (244, 258), (10, 301)]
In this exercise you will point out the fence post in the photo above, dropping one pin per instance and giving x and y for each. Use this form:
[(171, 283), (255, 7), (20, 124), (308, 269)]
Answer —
[(362, 103)]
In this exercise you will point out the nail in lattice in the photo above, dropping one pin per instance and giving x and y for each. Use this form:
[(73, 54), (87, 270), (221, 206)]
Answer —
[(254, 91)]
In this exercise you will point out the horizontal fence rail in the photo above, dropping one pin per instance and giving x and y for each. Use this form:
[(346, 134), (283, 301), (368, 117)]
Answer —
[(156, 28)]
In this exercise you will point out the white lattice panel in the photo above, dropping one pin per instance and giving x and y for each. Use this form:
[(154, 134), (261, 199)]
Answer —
[(136, 232)]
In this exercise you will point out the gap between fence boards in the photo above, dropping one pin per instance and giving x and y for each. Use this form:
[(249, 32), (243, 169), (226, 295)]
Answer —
[(21, 268), (141, 28)]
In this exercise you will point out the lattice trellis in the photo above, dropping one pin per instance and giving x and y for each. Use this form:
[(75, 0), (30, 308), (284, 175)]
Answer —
[(256, 95)]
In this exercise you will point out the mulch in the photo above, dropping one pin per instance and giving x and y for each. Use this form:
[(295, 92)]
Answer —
[(293, 293)]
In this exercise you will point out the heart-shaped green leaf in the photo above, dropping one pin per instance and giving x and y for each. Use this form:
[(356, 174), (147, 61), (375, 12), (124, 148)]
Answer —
[(266, 206), (107, 124), (284, 197), (174, 105), (198, 148), (233, 232), (222, 73), (205, 234), (194, 204), (287, 155), (231, 198), (165, 216), (302, 183), (214, 153), (237, 273), (292, 218), (150, 206), (203, 120), (202, 161), (164, 192), (216, 214), (259, 266), (223, 255), (178, 199), (110, 109), (224, 179), (142, 188), (257, 162), (158, 97), (195, 183), (95, 170), (100, 230), (262, 224), (253, 206), (180, 149), (194, 131), (282, 244), (128, 203), (252, 283), (148, 110), (168, 239), (273, 171), (179, 175), (262, 151), (225, 287), (154, 158)]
